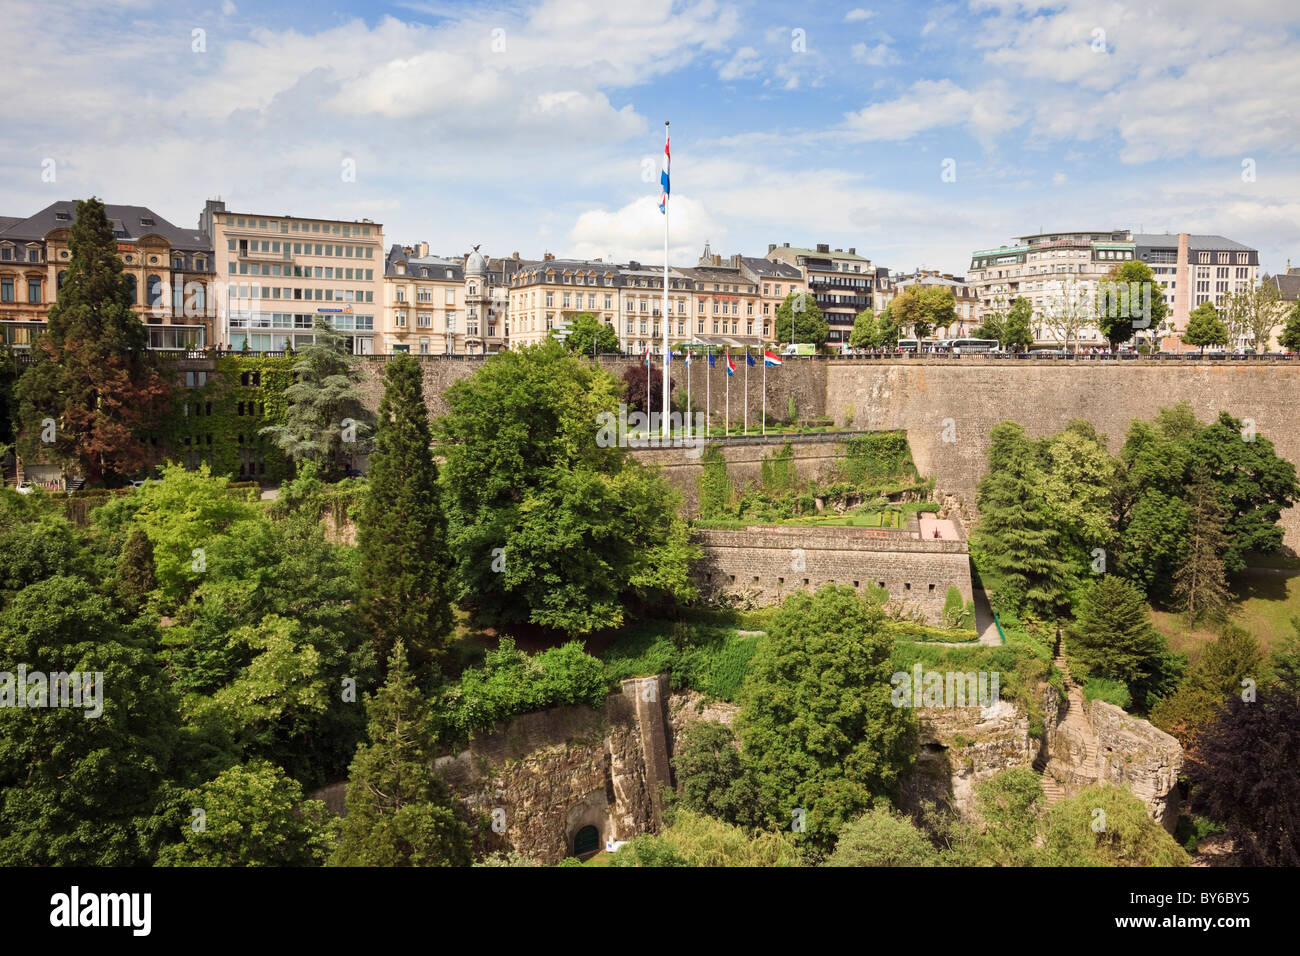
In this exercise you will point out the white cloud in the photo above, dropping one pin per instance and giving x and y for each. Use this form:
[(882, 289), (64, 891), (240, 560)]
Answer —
[(228, 8), (636, 231), (932, 104), (858, 14), (878, 55), (743, 64)]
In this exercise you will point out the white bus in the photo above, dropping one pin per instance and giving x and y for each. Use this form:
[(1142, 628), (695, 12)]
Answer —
[(972, 345), (907, 345)]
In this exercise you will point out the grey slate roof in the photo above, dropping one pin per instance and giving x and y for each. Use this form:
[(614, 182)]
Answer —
[(1195, 243), (130, 223), (769, 269), (1288, 285)]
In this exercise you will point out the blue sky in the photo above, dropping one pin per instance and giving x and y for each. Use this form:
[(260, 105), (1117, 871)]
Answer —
[(537, 126)]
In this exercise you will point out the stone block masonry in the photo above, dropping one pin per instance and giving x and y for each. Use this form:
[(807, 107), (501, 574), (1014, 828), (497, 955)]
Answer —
[(766, 563), (948, 408)]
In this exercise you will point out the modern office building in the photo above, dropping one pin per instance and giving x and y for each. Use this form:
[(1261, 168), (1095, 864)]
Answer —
[(843, 282), (276, 275), (170, 270), (1193, 269)]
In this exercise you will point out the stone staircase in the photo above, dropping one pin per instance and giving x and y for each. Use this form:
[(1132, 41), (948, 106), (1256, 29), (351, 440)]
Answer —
[(1076, 726)]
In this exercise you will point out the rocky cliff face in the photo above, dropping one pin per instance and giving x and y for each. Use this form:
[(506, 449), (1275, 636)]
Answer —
[(1082, 745)]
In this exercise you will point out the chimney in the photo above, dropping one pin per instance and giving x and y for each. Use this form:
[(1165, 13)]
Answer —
[(823, 247), (424, 249), (406, 250), (786, 244), (772, 245), (853, 250), (717, 259), (547, 257), (735, 261), (515, 256)]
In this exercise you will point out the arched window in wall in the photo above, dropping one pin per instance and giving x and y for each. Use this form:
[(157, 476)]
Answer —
[(155, 290)]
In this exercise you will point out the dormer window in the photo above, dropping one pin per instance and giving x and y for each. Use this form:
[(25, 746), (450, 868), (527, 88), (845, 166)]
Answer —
[(62, 217), (145, 221)]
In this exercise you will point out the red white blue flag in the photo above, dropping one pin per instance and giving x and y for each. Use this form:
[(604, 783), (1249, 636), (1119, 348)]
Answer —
[(663, 178), (770, 359), (731, 366)]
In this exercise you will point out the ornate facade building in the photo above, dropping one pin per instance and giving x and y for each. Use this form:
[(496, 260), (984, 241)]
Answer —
[(170, 269)]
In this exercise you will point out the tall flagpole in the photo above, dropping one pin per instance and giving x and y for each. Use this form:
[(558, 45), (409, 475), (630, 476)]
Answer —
[(667, 162), (726, 391), (649, 432), (764, 393), (687, 422)]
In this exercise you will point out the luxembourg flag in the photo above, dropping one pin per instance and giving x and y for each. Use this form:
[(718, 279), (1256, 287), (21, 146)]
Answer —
[(663, 177), (770, 359), (688, 359), (731, 366), (647, 356)]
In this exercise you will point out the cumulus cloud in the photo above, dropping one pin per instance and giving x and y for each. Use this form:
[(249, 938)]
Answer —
[(878, 55), (743, 64), (858, 14)]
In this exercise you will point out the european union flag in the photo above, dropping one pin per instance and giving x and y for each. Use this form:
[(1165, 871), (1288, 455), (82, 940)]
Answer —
[(750, 359)]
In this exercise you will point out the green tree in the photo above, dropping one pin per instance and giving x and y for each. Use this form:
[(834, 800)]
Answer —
[(399, 812), (252, 815), (866, 333), (1253, 312), (924, 309), (1200, 588), (1231, 657), (712, 777), (1078, 477), (92, 371), (1017, 335), (550, 521), (404, 568), (82, 786), (693, 839), (326, 421), (1018, 540), (1113, 636), (888, 329), (1204, 327), (883, 838), (136, 578), (817, 725), (801, 309), (588, 335), (1290, 337), (1010, 805), (1255, 485), (1122, 298)]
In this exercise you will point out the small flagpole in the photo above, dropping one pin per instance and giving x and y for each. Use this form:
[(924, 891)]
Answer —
[(667, 161), (746, 390)]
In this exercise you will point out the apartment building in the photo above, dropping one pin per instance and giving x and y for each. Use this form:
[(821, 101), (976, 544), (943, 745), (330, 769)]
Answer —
[(843, 282), (437, 305), (774, 281), (541, 294), (966, 302), (276, 275), (1193, 269), (1057, 272), (170, 271)]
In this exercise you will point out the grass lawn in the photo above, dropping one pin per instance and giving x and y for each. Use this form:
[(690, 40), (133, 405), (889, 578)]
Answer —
[(1264, 604)]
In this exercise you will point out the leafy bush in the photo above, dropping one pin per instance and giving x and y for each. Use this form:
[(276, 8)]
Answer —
[(711, 660), (511, 683)]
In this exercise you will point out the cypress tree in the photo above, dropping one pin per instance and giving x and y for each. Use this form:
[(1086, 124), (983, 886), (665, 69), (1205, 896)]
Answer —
[(136, 575), (400, 813), (402, 533), (93, 372)]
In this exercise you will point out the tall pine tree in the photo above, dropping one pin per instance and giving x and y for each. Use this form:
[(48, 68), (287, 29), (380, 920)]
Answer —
[(92, 371), (400, 813), (402, 534), (1200, 589)]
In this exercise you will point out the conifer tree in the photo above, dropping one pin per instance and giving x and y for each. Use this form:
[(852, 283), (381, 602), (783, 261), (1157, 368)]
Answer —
[(326, 420), (402, 534), (92, 371), (1200, 589), (136, 575), (400, 813), (1113, 636), (1018, 540)]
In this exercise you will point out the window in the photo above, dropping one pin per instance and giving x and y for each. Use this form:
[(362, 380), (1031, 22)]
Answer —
[(34, 291), (6, 289)]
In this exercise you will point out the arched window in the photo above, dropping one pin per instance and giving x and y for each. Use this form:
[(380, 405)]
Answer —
[(60, 279), (155, 290), (133, 289)]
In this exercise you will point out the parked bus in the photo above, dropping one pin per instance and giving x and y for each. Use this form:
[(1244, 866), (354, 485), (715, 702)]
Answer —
[(973, 345), (907, 345)]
